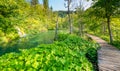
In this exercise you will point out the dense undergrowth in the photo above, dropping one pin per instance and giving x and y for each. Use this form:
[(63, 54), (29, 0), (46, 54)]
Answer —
[(69, 53)]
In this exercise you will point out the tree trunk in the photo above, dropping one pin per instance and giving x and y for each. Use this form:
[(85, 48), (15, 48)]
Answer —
[(71, 29), (69, 21), (56, 30), (80, 29), (103, 28), (104, 31), (109, 29)]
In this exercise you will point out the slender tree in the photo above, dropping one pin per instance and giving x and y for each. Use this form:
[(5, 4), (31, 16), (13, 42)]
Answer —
[(34, 2), (80, 12), (69, 18), (109, 7), (56, 30), (46, 4)]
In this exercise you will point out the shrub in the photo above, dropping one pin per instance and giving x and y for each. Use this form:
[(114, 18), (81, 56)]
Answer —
[(62, 37), (65, 55)]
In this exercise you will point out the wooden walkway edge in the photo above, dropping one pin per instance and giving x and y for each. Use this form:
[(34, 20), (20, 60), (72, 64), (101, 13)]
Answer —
[(108, 55)]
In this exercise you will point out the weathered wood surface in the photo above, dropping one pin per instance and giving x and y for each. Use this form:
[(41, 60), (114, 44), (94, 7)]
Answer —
[(108, 56)]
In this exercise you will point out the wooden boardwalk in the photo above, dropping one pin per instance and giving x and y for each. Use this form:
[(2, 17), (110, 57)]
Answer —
[(108, 56)]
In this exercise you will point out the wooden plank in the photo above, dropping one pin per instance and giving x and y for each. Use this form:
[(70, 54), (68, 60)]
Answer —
[(108, 56)]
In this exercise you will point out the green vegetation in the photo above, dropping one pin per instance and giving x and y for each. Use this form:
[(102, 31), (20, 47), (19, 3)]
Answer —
[(101, 19), (29, 37), (19, 18), (65, 54)]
